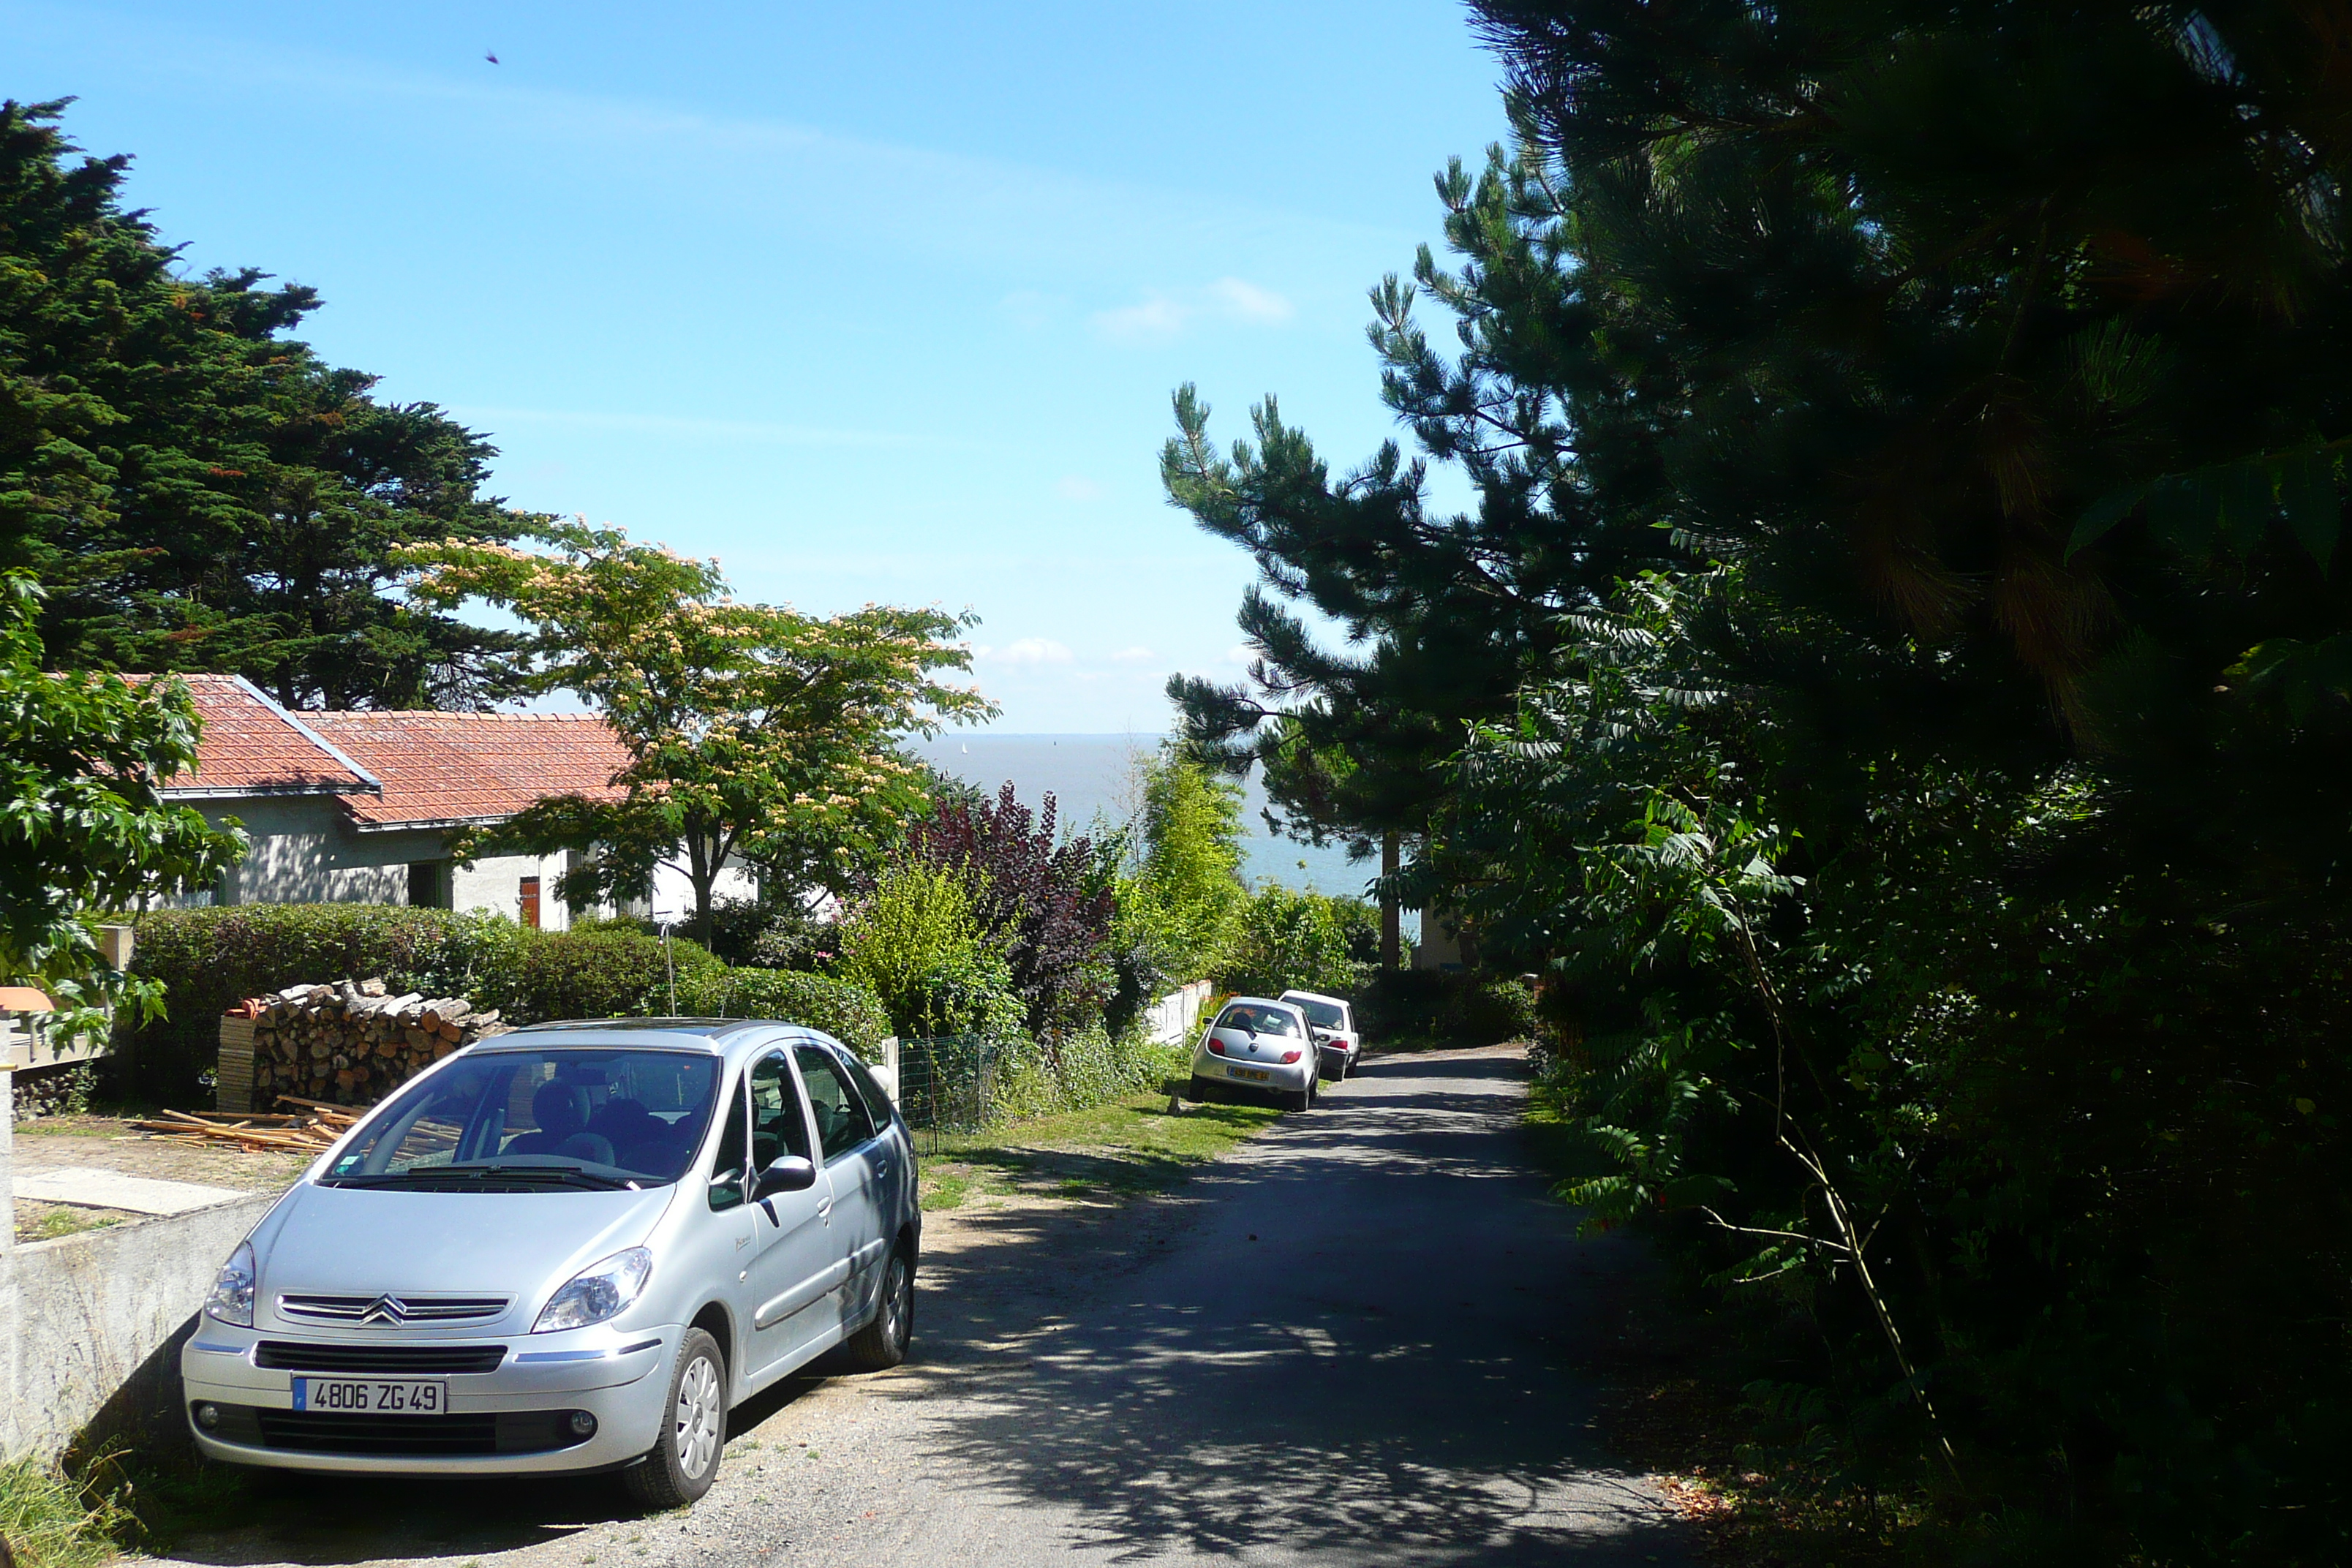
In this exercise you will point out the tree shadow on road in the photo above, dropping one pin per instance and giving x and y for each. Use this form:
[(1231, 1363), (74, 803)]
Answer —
[(1309, 1398)]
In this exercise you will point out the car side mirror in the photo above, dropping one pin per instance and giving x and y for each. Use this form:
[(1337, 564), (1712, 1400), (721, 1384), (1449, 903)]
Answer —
[(787, 1174)]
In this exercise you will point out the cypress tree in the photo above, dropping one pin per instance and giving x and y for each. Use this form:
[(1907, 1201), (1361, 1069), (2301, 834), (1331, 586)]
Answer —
[(195, 490)]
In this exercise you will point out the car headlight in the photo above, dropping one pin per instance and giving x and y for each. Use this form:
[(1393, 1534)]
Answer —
[(597, 1292), (232, 1298)]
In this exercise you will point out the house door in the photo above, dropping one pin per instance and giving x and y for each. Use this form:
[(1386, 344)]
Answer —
[(531, 902)]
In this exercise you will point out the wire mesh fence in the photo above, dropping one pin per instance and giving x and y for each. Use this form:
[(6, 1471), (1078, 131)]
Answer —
[(947, 1084)]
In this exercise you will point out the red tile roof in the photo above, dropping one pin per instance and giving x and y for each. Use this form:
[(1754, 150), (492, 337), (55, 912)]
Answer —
[(252, 746), (471, 767)]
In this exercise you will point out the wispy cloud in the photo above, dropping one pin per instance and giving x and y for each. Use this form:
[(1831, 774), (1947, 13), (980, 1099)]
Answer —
[(1163, 315), (1133, 656), (1026, 650)]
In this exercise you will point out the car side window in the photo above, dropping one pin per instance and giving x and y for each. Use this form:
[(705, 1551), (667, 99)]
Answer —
[(726, 1165), (877, 1102), (778, 1126), (842, 1121)]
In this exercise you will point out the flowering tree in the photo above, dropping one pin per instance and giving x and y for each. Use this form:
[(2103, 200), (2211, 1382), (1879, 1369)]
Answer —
[(755, 733)]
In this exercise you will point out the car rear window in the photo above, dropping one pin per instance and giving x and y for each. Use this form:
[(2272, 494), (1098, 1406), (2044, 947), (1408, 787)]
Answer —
[(1322, 1015), (1258, 1020)]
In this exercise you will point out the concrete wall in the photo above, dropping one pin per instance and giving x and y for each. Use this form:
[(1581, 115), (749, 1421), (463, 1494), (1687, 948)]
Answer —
[(98, 1319), (90, 1325)]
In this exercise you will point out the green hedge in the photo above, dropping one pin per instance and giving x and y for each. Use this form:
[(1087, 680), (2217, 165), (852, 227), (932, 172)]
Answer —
[(1413, 1007), (602, 972), (849, 1011), (209, 959)]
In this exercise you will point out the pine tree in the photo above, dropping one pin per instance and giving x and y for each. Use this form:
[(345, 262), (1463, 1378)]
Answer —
[(1950, 831)]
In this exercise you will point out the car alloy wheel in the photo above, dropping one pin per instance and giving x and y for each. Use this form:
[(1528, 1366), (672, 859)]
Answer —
[(688, 1441), (701, 1414)]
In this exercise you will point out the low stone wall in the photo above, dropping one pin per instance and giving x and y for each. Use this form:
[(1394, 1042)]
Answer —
[(93, 1325)]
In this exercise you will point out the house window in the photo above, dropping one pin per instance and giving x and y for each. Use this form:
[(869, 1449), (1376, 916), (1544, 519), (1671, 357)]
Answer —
[(531, 902), (428, 884)]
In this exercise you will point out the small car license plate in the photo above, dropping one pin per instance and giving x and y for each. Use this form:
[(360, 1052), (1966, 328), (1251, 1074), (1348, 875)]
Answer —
[(1253, 1074), (371, 1395)]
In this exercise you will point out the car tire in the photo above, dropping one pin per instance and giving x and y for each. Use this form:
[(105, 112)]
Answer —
[(684, 1460), (1299, 1100), (882, 1343), (1201, 1093)]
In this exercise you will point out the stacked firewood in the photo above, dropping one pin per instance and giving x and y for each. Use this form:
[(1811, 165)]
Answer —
[(351, 1044)]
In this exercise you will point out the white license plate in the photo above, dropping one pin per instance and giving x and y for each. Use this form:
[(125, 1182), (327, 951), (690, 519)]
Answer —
[(1253, 1074), (371, 1395)]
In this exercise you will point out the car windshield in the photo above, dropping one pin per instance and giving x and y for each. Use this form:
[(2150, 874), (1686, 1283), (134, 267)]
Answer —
[(1322, 1015), (1258, 1019), (538, 1120)]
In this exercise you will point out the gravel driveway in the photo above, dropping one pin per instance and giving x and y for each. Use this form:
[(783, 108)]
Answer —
[(1363, 1337)]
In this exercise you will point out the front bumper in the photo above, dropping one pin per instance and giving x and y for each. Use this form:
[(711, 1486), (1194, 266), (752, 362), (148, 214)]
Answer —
[(623, 1379)]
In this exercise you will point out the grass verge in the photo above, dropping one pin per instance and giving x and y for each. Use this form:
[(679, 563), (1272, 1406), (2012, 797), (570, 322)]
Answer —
[(1127, 1148)]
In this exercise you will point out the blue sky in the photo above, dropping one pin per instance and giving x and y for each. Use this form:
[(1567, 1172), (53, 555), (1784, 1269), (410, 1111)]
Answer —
[(874, 304)]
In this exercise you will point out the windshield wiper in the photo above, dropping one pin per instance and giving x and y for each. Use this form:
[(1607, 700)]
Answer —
[(565, 1176)]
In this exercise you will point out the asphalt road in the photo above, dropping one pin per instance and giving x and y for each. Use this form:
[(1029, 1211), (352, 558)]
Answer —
[(1365, 1337)]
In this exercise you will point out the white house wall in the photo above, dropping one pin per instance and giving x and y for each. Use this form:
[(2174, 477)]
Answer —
[(494, 883), (305, 851), (674, 890)]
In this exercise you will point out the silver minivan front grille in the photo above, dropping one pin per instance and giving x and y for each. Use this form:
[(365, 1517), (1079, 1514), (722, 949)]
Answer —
[(393, 1311)]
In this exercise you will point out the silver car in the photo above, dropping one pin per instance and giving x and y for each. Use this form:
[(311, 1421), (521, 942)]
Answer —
[(569, 1248), (1333, 1025), (1258, 1045)]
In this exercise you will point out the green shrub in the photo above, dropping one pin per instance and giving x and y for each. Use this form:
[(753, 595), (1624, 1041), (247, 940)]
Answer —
[(794, 942), (912, 941), (1289, 940), (842, 1008), (1089, 1069), (1427, 1007), (612, 971)]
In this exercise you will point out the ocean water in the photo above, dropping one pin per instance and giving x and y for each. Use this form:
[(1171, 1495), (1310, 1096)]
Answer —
[(1093, 776)]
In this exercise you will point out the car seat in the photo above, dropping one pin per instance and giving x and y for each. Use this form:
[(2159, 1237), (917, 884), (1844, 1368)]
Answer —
[(561, 1111), (588, 1146)]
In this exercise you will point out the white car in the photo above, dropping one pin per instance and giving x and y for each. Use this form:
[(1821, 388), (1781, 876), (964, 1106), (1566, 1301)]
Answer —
[(1259, 1046), (1333, 1025)]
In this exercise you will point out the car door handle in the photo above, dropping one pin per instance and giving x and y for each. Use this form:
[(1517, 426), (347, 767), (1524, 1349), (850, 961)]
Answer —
[(881, 1170), (824, 1211)]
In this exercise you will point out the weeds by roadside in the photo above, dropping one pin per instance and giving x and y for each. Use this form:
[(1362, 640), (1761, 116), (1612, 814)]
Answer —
[(51, 1521), (1688, 1393), (1127, 1148), (39, 1221)]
